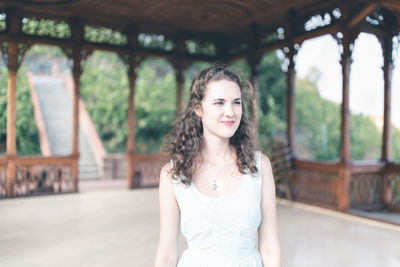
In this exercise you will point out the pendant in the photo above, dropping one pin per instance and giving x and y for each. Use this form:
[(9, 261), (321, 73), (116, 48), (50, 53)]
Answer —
[(214, 186)]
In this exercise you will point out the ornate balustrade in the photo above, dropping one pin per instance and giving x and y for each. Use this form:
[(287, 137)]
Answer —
[(3, 169), (372, 185), (366, 185), (146, 170), (392, 187), (315, 182), (37, 175)]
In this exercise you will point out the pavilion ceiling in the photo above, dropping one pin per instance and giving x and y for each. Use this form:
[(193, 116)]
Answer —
[(169, 15), (236, 26)]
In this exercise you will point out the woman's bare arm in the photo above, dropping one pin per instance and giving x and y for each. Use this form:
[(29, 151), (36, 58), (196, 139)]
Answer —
[(167, 252), (268, 242)]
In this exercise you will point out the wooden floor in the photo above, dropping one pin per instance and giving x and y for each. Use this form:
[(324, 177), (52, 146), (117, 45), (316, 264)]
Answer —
[(119, 227)]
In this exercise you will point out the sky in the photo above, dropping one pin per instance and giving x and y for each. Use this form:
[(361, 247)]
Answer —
[(366, 75)]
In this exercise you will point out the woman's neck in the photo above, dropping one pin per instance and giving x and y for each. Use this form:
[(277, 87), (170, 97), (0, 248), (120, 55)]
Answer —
[(217, 150)]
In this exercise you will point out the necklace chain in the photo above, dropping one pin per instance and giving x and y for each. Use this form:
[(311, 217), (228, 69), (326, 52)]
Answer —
[(214, 186)]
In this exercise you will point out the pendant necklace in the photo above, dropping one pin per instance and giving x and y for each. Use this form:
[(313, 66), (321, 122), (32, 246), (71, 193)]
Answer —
[(214, 186)]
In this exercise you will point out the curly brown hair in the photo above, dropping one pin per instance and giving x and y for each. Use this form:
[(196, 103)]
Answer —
[(184, 141)]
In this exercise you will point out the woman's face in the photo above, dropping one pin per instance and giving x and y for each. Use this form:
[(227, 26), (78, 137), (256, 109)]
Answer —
[(221, 109)]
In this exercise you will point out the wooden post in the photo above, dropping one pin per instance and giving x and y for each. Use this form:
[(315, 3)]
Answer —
[(387, 49), (345, 109), (11, 145), (179, 67), (179, 89), (343, 190), (254, 62), (78, 36), (133, 63), (131, 122), (13, 24), (290, 79)]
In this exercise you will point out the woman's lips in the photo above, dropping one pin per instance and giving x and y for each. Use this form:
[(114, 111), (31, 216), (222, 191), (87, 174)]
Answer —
[(228, 123)]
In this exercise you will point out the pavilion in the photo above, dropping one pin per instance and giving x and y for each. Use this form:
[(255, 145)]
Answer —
[(188, 31)]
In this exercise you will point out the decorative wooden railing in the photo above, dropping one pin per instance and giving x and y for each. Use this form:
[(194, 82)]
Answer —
[(372, 185), (391, 187), (37, 176), (3, 181), (146, 170), (366, 185), (316, 182)]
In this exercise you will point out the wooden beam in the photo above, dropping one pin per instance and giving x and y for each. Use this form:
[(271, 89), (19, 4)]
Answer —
[(390, 4), (365, 11), (69, 43), (279, 44)]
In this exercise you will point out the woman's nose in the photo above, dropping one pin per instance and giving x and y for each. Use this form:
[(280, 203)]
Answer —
[(228, 110)]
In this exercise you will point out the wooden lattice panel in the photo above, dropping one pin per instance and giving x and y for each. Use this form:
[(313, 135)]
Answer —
[(394, 182), (366, 188), (316, 187), (2, 180), (147, 172), (42, 179)]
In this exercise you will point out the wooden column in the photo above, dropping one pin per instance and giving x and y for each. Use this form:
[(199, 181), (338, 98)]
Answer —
[(290, 106), (78, 36), (254, 62), (387, 49), (12, 98), (11, 145), (345, 108), (290, 52), (131, 122), (179, 76), (179, 65), (343, 184), (13, 24)]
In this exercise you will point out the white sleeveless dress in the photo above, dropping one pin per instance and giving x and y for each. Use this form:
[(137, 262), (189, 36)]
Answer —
[(221, 232)]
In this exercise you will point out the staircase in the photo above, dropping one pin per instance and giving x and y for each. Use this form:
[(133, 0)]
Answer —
[(56, 108)]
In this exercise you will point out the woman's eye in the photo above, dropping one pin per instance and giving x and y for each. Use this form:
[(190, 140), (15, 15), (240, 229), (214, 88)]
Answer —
[(237, 102), (219, 103)]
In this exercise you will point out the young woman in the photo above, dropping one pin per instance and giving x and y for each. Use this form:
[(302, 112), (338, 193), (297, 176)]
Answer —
[(216, 184)]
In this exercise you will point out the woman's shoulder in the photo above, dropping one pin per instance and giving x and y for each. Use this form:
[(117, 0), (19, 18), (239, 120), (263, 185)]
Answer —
[(262, 161)]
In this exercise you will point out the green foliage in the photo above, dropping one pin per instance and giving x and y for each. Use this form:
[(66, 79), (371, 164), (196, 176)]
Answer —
[(40, 59), (3, 25), (317, 123), (104, 90), (156, 41), (396, 143), (318, 127), (190, 74), (195, 47), (271, 100), (104, 35), (365, 140), (155, 102), (242, 68), (46, 27), (26, 129)]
